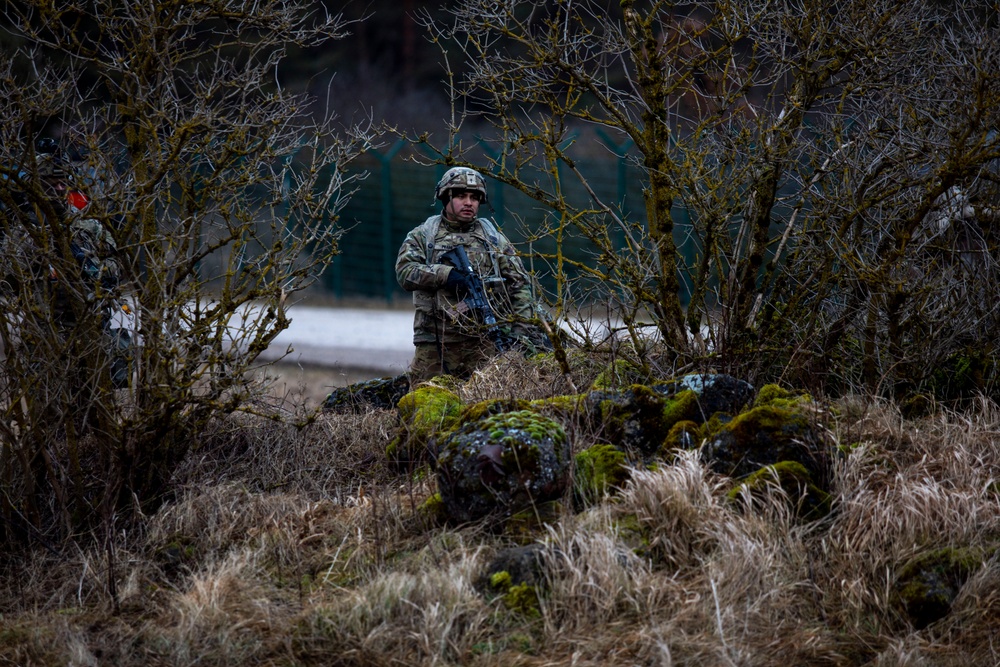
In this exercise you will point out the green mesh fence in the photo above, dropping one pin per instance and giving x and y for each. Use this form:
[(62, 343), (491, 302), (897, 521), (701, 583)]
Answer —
[(397, 195)]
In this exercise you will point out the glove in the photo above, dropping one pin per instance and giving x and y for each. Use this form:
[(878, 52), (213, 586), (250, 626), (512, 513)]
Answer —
[(459, 282)]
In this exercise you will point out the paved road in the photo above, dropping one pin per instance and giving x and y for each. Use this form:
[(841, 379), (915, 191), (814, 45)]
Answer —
[(349, 338)]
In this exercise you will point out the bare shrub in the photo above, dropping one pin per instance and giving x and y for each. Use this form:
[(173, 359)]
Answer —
[(220, 191), (818, 181)]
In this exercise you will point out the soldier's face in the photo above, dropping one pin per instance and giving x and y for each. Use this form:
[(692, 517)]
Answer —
[(463, 206), (54, 187)]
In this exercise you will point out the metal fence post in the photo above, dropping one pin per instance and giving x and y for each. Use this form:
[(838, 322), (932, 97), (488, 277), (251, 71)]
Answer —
[(388, 252), (620, 152), (497, 204)]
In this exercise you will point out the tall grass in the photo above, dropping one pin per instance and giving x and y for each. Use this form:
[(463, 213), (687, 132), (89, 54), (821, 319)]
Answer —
[(299, 546)]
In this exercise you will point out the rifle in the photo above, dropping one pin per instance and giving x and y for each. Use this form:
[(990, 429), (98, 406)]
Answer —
[(476, 298)]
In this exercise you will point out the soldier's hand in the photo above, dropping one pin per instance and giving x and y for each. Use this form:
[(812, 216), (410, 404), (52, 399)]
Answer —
[(459, 282)]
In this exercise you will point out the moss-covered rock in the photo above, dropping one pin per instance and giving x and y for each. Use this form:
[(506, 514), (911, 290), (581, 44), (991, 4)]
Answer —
[(495, 406), (519, 577), (926, 585), (515, 565), (715, 393), (433, 509), (638, 419), (685, 434), (423, 413), (502, 464), (764, 436), (565, 406), (779, 397), (597, 471), (809, 501)]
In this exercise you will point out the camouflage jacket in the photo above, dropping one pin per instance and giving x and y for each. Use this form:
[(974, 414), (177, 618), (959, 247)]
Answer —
[(440, 315), (95, 249), (41, 276)]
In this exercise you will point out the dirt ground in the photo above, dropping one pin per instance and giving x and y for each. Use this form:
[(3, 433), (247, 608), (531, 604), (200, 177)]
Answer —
[(311, 384)]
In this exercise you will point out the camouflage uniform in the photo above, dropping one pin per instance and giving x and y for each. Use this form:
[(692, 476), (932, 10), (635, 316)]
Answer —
[(58, 289), (447, 338), (95, 249)]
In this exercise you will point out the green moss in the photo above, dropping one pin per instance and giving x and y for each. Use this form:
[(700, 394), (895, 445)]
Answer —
[(483, 409), (777, 396), (809, 501), (927, 585), (714, 424), (428, 410), (523, 599), (682, 407), (501, 427), (684, 434), (524, 526), (566, 405), (447, 382), (433, 508), (771, 418), (597, 470), (500, 581)]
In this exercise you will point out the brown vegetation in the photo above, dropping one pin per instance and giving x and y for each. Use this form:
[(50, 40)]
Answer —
[(286, 546)]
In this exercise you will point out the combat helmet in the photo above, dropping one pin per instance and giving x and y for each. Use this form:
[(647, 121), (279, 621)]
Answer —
[(50, 160), (460, 178)]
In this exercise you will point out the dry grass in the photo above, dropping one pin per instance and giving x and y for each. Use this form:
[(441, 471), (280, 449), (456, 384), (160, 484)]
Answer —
[(300, 546)]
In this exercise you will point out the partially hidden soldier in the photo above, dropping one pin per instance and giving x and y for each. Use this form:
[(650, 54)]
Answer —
[(85, 285), (449, 336)]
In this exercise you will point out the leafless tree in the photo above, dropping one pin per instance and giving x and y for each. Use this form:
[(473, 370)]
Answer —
[(813, 146), (221, 192)]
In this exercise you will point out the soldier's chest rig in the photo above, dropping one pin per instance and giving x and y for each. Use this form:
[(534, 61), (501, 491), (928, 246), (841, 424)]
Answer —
[(482, 245), (482, 238)]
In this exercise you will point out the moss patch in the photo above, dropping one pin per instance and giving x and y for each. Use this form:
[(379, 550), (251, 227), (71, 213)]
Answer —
[(428, 410), (520, 598), (502, 464), (777, 396), (433, 509), (597, 471), (484, 409), (639, 417), (684, 434), (560, 406), (525, 526)]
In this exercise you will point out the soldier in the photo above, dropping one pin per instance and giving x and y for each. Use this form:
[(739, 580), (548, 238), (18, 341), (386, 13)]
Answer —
[(67, 271), (447, 336)]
